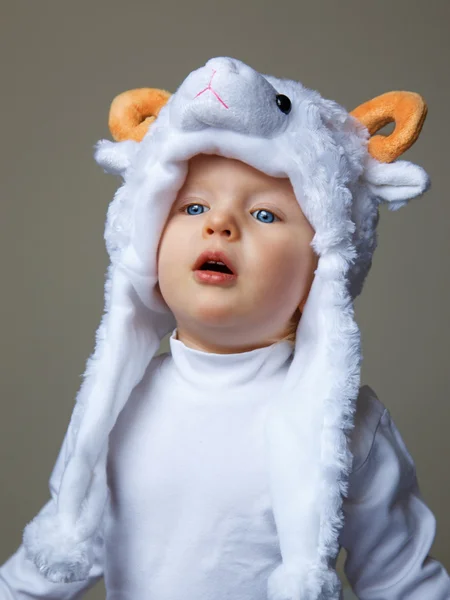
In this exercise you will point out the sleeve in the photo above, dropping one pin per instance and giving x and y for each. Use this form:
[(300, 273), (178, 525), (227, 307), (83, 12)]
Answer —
[(21, 580), (388, 529)]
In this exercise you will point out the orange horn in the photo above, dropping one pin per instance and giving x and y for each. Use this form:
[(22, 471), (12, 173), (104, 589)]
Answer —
[(406, 109), (132, 112)]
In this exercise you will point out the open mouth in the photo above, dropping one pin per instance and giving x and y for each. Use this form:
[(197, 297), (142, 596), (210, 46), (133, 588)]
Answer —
[(216, 266)]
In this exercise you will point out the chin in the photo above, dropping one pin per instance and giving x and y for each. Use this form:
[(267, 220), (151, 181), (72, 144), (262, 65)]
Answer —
[(215, 315)]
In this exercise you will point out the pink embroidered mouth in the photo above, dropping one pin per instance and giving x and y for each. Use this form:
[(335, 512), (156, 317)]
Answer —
[(213, 91)]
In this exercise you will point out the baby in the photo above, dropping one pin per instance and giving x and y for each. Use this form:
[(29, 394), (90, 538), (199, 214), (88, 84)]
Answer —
[(238, 464)]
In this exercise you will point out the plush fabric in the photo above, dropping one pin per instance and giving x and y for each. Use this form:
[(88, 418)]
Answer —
[(285, 130)]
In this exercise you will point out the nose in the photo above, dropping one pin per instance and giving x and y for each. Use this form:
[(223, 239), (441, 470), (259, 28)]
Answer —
[(221, 223), (223, 63)]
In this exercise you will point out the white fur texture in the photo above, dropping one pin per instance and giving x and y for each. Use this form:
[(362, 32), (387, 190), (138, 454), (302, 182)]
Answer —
[(56, 548)]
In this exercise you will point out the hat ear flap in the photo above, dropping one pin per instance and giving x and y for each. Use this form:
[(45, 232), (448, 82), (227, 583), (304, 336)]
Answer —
[(115, 157)]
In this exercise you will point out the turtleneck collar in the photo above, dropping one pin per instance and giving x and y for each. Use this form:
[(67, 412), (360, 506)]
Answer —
[(207, 368)]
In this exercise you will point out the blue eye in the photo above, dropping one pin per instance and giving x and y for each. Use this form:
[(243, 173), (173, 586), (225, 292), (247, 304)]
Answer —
[(266, 214), (194, 205)]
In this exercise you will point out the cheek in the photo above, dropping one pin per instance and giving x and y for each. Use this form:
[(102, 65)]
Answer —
[(174, 260), (286, 270), (166, 257), (170, 249)]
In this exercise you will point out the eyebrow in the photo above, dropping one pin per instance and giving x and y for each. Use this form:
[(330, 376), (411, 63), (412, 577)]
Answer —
[(202, 187)]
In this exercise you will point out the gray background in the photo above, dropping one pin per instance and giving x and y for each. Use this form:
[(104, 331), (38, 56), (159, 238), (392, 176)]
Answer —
[(62, 64)]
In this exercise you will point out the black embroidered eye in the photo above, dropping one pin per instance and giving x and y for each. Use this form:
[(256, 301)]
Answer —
[(284, 104)]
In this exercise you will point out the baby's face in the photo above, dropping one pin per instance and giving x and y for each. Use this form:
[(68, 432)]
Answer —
[(257, 222)]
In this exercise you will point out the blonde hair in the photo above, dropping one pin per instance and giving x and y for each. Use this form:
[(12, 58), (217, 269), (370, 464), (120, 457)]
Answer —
[(289, 334)]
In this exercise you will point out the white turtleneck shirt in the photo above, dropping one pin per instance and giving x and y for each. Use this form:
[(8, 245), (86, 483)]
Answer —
[(189, 515), (187, 470)]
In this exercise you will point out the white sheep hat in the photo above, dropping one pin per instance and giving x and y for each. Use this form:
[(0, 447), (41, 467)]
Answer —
[(340, 173)]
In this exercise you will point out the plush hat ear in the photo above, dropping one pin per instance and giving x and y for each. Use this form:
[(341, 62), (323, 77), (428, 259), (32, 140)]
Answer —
[(400, 181), (115, 157), (130, 115), (406, 109), (396, 183)]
